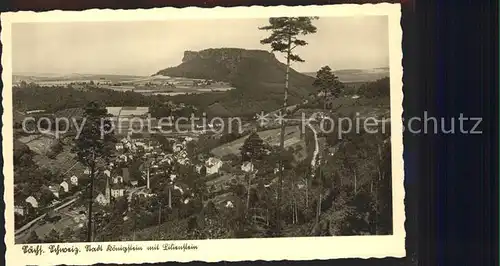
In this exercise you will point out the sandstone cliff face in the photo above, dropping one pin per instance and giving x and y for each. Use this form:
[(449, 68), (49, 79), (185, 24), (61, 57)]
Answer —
[(227, 54), (228, 58), (257, 75), (231, 65)]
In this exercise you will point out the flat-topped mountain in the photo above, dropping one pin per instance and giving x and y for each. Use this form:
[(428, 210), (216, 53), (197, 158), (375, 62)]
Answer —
[(256, 74)]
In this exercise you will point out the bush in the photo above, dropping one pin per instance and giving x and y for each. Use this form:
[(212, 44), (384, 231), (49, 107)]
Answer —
[(226, 138)]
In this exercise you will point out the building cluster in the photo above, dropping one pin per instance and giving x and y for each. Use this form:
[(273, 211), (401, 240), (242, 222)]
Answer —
[(126, 119), (120, 176), (155, 161), (59, 191)]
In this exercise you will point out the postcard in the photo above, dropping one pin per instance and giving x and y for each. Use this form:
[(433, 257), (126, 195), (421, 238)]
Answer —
[(221, 134)]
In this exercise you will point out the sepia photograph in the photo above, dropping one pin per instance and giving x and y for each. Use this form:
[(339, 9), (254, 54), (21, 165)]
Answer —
[(202, 133)]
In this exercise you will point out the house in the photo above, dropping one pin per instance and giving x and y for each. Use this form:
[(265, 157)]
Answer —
[(133, 180), (32, 201), (182, 154), (117, 191), (101, 199), (74, 180), (19, 210), (166, 159), (229, 204), (55, 190), (247, 167), (129, 145), (198, 168), (65, 186), (176, 187), (145, 194), (140, 144), (277, 169), (213, 165), (119, 146), (183, 161), (177, 147), (117, 179), (123, 158), (87, 171), (182, 157)]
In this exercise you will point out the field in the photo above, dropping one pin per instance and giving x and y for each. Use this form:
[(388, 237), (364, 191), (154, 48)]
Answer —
[(150, 85), (347, 106), (40, 144), (272, 137), (64, 163)]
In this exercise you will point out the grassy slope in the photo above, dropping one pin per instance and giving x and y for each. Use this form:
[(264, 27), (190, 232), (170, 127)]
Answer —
[(292, 138)]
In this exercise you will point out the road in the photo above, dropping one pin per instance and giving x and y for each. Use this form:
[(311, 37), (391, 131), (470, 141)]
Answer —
[(21, 232), (316, 149), (29, 224)]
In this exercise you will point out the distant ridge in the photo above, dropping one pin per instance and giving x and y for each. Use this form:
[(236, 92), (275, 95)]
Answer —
[(28, 76), (358, 75)]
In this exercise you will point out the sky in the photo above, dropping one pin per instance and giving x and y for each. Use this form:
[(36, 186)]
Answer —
[(143, 48)]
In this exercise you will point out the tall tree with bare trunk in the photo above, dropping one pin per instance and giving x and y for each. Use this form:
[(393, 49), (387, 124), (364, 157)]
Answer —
[(93, 148), (284, 39)]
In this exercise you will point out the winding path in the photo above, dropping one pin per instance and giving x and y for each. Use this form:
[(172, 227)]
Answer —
[(316, 149)]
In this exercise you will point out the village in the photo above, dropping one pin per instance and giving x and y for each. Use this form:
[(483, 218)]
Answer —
[(142, 166)]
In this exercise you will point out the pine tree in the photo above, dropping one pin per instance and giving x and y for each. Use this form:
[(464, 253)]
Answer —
[(253, 148), (328, 84), (93, 147), (284, 39)]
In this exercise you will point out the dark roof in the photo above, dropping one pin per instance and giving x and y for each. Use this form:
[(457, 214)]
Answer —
[(129, 108), (117, 186)]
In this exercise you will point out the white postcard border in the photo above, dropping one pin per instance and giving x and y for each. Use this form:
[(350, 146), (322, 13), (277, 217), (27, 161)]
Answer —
[(302, 248)]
